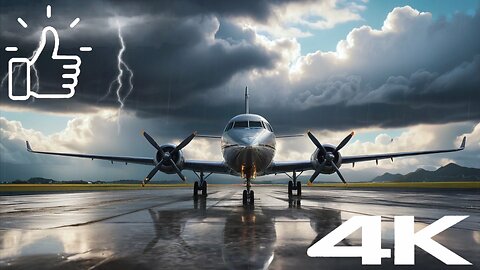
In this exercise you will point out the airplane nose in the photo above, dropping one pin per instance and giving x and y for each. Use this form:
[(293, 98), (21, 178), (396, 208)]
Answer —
[(248, 142), (251, 138)]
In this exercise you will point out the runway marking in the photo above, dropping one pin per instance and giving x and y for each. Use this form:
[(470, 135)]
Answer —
[(231, 193), (66, 209), (115, 216)]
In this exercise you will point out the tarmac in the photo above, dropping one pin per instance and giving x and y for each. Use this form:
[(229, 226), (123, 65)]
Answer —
[(168, 229)]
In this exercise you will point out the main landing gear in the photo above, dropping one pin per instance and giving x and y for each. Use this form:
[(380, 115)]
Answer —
[(200, 186), (248, 195), (294, 185)]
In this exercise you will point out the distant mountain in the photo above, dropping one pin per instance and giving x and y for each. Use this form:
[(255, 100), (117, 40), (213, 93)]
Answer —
[(35, 180), (387, 177), (450, 172)]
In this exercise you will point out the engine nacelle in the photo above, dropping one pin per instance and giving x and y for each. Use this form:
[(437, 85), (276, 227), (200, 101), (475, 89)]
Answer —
[(318, 160), (167, 166)]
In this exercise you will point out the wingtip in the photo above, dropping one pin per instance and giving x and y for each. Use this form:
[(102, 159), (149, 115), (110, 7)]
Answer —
[(142, 132), (464, 141), (29, 148)]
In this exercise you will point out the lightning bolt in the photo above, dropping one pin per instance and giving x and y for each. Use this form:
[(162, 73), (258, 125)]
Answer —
[(16, 74), (123, 70)]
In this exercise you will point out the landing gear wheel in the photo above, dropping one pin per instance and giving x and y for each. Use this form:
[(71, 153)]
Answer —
[(245, 196), (204, 188), (252, 197), (290, 187), (195, 189), (299, 188)]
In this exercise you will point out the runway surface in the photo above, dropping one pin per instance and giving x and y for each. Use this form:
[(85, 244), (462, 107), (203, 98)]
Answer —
[(167, 229)]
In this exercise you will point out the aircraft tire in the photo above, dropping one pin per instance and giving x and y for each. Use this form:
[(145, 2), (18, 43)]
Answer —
[(195, 189), (299, 188), (252, 197), (245, 194), (204, 188), (290, 188)]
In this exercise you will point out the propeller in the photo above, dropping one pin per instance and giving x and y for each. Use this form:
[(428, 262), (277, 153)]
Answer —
[(166, 156), (329, 157)]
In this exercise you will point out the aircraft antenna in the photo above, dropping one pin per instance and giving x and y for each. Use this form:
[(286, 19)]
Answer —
[(247, 107)]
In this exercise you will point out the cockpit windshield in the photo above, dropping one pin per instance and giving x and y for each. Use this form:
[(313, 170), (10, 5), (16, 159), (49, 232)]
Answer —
[(241, 124), (229, 126), (255, 124), (248, 124)]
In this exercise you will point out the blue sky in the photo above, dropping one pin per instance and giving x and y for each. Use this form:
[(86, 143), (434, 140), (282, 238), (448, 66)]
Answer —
[(375, 14), (45, 122)]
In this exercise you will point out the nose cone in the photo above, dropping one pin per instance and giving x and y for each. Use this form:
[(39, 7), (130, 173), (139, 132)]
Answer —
[(248, 151), (248, 141), (250, 137)]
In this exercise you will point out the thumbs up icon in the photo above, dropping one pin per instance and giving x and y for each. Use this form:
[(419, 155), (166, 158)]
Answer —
[(71, 71)]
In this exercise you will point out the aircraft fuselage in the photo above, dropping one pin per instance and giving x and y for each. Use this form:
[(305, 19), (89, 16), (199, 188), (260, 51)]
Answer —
[(248, 145)]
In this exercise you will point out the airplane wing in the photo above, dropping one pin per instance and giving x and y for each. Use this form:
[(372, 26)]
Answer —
[(193, 165), (135, 160), (289, 166), (207, 166), (289, 136), (354, 159)]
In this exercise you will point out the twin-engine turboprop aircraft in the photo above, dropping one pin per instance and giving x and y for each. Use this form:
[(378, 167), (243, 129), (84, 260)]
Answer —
[(248, 147)]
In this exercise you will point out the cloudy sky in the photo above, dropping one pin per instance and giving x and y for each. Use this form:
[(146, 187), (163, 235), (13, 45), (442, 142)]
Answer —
[(403, 74)]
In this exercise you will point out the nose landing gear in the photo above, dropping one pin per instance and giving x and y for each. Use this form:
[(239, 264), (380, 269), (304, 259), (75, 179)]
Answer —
[(248, 195)]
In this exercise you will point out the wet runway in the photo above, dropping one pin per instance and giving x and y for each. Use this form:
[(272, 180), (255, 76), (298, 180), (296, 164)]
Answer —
[(168, 229)]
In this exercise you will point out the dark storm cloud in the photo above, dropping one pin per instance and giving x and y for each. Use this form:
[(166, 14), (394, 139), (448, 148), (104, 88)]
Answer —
[(171, 47), (260, 10), (185, 55), (415, 70)]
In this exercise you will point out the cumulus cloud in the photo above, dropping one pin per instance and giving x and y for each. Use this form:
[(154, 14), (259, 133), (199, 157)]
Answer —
[(87, 133), (296, 18), (409, 40), (391, 76)]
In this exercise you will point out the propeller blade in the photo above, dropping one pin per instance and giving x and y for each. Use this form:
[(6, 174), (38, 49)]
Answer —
[(152, 173), (312, 178), (180, 174), (344, 142), (338, 172), (152, 142), (317, 143), (183, 143)]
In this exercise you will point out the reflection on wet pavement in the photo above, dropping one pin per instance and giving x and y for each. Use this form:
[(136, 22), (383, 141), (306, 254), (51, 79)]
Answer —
[(163, 229)]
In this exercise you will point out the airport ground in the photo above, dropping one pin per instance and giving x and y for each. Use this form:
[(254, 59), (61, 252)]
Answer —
[(165, 228)]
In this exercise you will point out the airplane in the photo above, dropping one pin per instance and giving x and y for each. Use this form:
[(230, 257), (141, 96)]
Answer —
[(248, 146)]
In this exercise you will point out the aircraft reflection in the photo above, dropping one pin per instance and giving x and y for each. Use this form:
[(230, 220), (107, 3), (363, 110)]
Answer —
[(169, 233), (249, 240), (249, 233)]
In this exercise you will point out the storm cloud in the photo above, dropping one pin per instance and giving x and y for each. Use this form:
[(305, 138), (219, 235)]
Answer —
[(184, 53)]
